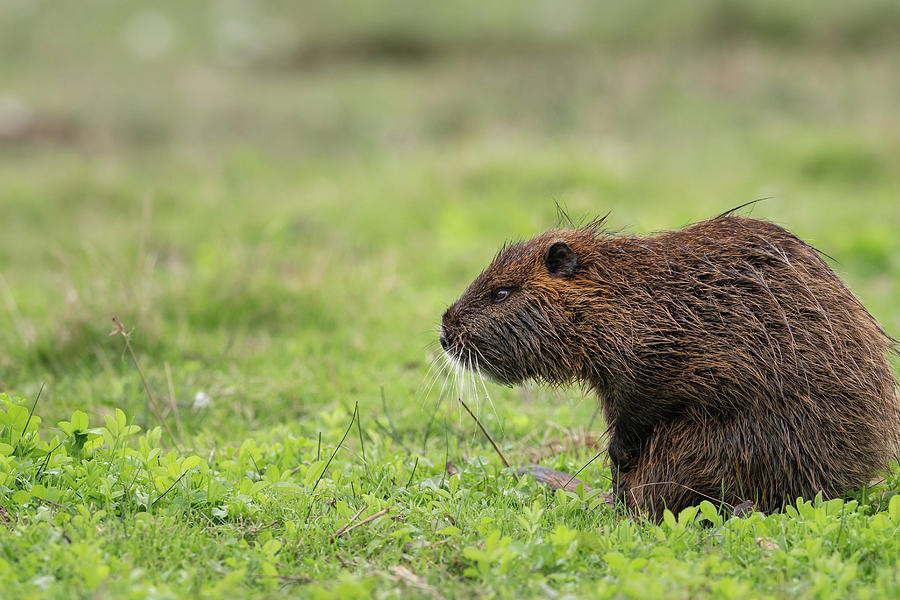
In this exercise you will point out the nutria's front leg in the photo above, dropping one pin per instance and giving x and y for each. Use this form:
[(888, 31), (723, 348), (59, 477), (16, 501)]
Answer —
[(626, 442)]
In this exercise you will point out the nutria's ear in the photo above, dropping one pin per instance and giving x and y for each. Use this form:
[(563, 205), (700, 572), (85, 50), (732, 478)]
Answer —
[(561, 260)]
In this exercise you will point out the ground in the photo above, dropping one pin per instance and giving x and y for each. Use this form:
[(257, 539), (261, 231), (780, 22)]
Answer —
[(278, 203)]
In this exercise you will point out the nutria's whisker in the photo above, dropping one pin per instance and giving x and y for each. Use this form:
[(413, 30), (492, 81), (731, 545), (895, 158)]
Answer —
[(455, 386), (486, 393), (470, 382), (432, 370), (442, 371), (449, 369), (435, 370), (471, 370)]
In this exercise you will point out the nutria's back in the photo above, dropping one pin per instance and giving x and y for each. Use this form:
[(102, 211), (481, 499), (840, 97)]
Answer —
[(729, 358)]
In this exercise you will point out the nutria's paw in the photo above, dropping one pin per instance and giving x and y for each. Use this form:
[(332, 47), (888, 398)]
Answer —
[(622, 453)]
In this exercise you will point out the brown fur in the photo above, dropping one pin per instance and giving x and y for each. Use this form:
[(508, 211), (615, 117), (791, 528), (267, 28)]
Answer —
[(731, 362)]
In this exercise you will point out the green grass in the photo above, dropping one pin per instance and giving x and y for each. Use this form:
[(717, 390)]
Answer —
[(282, 203)]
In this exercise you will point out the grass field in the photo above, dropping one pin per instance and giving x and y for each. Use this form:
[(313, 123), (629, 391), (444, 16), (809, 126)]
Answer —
[(279, 202)]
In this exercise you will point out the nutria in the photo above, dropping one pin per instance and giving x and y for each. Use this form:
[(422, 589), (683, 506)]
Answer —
[(730, 361)]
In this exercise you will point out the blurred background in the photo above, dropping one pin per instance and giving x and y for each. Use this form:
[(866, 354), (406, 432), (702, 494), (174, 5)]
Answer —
[(282, 197)]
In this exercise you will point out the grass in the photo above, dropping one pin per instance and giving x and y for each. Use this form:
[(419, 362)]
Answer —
[(279, 203)]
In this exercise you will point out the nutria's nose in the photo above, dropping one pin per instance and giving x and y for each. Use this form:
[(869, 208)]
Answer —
[(442, 336)]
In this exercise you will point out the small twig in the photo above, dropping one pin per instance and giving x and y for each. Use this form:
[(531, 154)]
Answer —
[(484, 431), (368, 519), (120, 330), (353, 518), (173, 403)]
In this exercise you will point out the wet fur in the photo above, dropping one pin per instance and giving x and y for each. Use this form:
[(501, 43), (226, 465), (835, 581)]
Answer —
[(731, 362)]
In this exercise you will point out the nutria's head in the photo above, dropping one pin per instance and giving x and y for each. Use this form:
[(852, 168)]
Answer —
[(514, 322)]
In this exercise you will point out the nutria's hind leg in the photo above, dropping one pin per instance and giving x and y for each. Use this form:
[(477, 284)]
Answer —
[(685, 462), (749, 456), (628, 438)]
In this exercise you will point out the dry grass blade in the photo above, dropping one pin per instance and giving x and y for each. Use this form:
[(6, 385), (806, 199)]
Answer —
[(484, 431), (126, 335), (368, 519), (353, 518)]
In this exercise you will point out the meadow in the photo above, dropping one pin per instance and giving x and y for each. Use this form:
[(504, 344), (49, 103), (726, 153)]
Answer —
[(277, 201)]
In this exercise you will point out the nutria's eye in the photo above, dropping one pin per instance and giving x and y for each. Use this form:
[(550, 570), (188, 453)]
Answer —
[(500, 295)]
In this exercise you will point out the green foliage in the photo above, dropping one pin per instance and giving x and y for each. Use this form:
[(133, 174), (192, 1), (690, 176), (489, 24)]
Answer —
[(248, 518)]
